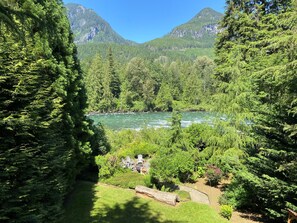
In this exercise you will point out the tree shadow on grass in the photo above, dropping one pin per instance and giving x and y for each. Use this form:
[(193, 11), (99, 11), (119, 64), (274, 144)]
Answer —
[(133, 211), (79, 203)]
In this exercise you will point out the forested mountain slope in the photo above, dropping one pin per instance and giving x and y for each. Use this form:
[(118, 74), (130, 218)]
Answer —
[(199, 32), (185, 42)]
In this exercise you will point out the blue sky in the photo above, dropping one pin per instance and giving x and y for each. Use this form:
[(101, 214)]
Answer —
[(144, 20)]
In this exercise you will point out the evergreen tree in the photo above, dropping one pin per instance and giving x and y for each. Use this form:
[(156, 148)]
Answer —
[(172, 78), (148, 94), (256, 53), (164, 99), (94, 81), (176, 126), (44, 133), (115, 84)]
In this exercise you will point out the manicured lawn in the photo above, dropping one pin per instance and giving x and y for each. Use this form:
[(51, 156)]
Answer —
[(90, 203), (126, 180)]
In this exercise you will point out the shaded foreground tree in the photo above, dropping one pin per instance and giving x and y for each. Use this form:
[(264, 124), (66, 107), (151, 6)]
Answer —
[(44, 133)]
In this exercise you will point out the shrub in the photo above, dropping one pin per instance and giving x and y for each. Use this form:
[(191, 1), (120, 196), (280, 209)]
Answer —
[(200, 172), (226, 211), (214, 175), (171, 165), (137, 147), (147, 181), (237, 194), (107, 165)]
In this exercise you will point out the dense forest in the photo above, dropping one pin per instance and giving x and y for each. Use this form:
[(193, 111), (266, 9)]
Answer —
[(47, 141), (146, 85)]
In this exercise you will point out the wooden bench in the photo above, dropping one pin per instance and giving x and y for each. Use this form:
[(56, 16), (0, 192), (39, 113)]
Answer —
[(292, 216)]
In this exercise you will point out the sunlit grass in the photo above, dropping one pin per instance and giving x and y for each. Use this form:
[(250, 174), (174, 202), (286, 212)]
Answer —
[(126, 180), (107, 204)]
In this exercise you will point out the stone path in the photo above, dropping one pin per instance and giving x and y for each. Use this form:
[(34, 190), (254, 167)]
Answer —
[(196, 195)]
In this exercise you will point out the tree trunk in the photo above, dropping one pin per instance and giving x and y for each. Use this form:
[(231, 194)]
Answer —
[(164, 197)]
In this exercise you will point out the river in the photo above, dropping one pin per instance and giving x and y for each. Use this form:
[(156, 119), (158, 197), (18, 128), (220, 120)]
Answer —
[(139, 120)]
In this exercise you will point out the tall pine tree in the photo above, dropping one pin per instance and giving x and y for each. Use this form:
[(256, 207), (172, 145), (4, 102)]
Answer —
[(256, 57)]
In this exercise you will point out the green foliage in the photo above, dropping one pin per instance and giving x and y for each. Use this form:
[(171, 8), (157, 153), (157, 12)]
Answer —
[(175, 126), (137, 147), (164, 98), (226, 211), (124, 53), (256, 81), (200, 172), (148, 181), (198, 84), (170, 165), (107, 165), (144, 85), (238, 194), (99, 140), (147, 140), (45, 136), (114, 79)]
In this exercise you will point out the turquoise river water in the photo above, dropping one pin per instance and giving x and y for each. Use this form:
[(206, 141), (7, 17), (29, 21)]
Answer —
[(117, 121)]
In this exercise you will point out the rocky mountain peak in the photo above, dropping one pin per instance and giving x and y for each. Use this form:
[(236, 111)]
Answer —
[(88, 26), (205, 23)]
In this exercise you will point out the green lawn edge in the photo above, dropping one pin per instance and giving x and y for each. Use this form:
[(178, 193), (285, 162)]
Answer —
[(91, 202)]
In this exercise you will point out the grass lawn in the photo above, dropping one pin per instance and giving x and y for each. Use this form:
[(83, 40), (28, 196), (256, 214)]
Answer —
[(126, 180), (90, 203)]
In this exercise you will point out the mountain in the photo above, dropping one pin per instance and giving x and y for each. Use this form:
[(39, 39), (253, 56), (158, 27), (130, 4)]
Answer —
[(185, 42), (204, 24), (88, 26), (199, 32)]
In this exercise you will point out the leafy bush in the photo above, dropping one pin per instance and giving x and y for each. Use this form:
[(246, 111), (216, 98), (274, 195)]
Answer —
[(138, 106), (107, 165), (200, 172), (238, 194), (137, 147), (214, 175), (226, 211), (170, 165), (147, 181)]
